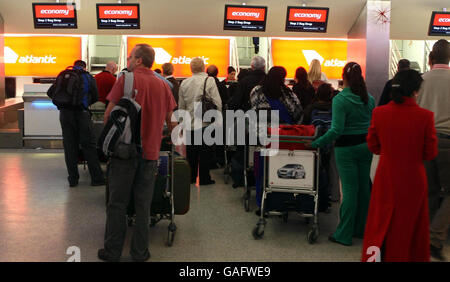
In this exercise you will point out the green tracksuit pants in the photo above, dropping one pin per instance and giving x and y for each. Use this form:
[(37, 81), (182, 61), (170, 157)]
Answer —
[(353, 163)]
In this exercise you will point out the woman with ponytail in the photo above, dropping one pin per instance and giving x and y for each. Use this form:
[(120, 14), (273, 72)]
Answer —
[(403, 134), (351, 113)]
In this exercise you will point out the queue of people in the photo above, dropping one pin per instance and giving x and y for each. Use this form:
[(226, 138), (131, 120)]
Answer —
[(403, 213)]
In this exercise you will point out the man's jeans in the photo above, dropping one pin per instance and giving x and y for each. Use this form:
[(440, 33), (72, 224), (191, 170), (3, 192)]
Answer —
[(438, 172), (135, 176)]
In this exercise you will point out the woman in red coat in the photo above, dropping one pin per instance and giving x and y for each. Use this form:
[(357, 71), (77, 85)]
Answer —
[(403, 134)]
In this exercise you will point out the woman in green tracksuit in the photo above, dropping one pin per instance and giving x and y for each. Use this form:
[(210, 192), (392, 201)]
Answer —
[(351, 114)]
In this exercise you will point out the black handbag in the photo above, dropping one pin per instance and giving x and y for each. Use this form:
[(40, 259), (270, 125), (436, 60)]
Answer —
[(207, 102)]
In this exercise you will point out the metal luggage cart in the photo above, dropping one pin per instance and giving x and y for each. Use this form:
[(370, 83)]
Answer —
[(248, 164), (227, 166), (284, 181), (168, 194)]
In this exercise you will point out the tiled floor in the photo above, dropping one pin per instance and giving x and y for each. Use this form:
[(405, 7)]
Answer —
[(41, 217)]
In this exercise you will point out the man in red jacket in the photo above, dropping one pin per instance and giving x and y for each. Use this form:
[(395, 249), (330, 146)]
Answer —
[(105, 81)]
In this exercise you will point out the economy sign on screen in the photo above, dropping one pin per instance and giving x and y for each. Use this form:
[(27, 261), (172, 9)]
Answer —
[(307, 19), (248, 18), (440, 24), (51, 15), (118, 16)]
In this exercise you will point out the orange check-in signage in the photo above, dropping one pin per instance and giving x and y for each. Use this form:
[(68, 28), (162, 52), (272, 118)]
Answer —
[(292, 54), (40, 55), (181, 50)]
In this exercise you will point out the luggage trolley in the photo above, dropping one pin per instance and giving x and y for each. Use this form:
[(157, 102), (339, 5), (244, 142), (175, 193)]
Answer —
[(291, 171), (168, 197), (229, 149), (248, 164)]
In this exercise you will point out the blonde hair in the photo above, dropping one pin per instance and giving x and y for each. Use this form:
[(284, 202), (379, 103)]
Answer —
[(197, 65), (315, 71)]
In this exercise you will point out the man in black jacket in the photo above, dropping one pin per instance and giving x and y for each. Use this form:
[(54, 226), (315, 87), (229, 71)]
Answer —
[(385, 98), (241, 96), (240, 100), (76, 125), (167, 73), (213, 71)]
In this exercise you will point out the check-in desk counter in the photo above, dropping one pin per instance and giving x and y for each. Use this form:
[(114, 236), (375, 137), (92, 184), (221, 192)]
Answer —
[(41, 118)]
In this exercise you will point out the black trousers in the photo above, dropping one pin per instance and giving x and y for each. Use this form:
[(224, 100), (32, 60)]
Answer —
[(77, 132), (199, 158)]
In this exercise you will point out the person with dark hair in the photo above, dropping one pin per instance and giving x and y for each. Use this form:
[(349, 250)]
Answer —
[(351, 113), (80, 63), (135, 177), (213, 71), (322, 102), (430, 60), (434, 95), (231, 74), (158, 71), (241, 96), (219, 150), (240, 100), (385, 98), (397, 222), (319, 113), (167, 73), (77, 133), (273, 94), (303, 88)]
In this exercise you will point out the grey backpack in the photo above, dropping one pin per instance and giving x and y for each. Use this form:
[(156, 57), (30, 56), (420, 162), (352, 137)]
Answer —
[(121, 136)]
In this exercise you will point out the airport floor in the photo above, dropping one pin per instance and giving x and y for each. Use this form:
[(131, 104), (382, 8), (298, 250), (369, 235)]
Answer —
[(41, 217)]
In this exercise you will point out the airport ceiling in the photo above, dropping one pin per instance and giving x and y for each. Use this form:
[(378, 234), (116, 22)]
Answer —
[(409, 18)]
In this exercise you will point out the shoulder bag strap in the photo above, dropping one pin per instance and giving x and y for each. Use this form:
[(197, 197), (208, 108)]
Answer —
[(128, 85), (204, 87)]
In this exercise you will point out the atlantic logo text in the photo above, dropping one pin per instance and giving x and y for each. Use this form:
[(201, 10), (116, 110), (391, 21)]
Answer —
[(305, 15), (246, 14), (313, 54), (55, 12), (12, 57), (118, 12), (162, 56)]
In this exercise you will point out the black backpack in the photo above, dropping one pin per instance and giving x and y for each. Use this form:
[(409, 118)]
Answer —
[(67, 91), (121, 136)]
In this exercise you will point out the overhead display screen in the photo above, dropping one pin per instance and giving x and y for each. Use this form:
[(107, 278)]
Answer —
[(248, 18), (54, 15), (118, 16), (307, 19), (440, 24)]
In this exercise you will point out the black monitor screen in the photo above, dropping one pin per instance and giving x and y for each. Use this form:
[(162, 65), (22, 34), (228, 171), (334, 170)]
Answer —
[(248, 18), (54, 15), (440, 24), (307, 19), (118, 16)]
